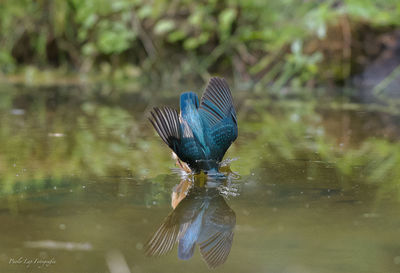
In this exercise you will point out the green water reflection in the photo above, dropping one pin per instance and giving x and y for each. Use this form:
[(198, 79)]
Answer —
[(86, 181)]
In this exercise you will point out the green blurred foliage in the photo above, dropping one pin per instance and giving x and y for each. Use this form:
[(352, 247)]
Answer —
[(263, 40)]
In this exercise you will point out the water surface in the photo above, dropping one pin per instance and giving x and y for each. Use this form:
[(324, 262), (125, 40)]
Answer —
[(85, 182)]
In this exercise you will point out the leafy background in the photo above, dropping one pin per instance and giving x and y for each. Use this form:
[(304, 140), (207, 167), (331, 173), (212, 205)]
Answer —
[(299, 43)]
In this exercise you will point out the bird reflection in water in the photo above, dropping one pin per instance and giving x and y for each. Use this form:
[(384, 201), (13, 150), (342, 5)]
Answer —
[(200, 217)]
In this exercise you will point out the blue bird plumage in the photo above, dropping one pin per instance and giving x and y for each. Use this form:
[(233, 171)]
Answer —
[(203, 131)]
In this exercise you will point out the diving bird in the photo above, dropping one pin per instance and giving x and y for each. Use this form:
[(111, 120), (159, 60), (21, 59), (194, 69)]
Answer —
[(203, 130)]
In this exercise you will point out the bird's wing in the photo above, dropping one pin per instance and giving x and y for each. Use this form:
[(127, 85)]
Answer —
[(175, 226), (216, 248), (176, 133), (166, 122), (164, 239), (217, 103), (218, 114), (215, 240)]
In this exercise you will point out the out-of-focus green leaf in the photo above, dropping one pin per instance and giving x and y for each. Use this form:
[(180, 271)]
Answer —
[(194, 42), (163, 26), (226, 19), (176, 35), (116, 39)]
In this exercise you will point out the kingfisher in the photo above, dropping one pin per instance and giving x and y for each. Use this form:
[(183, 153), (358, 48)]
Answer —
[(203, 131)]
